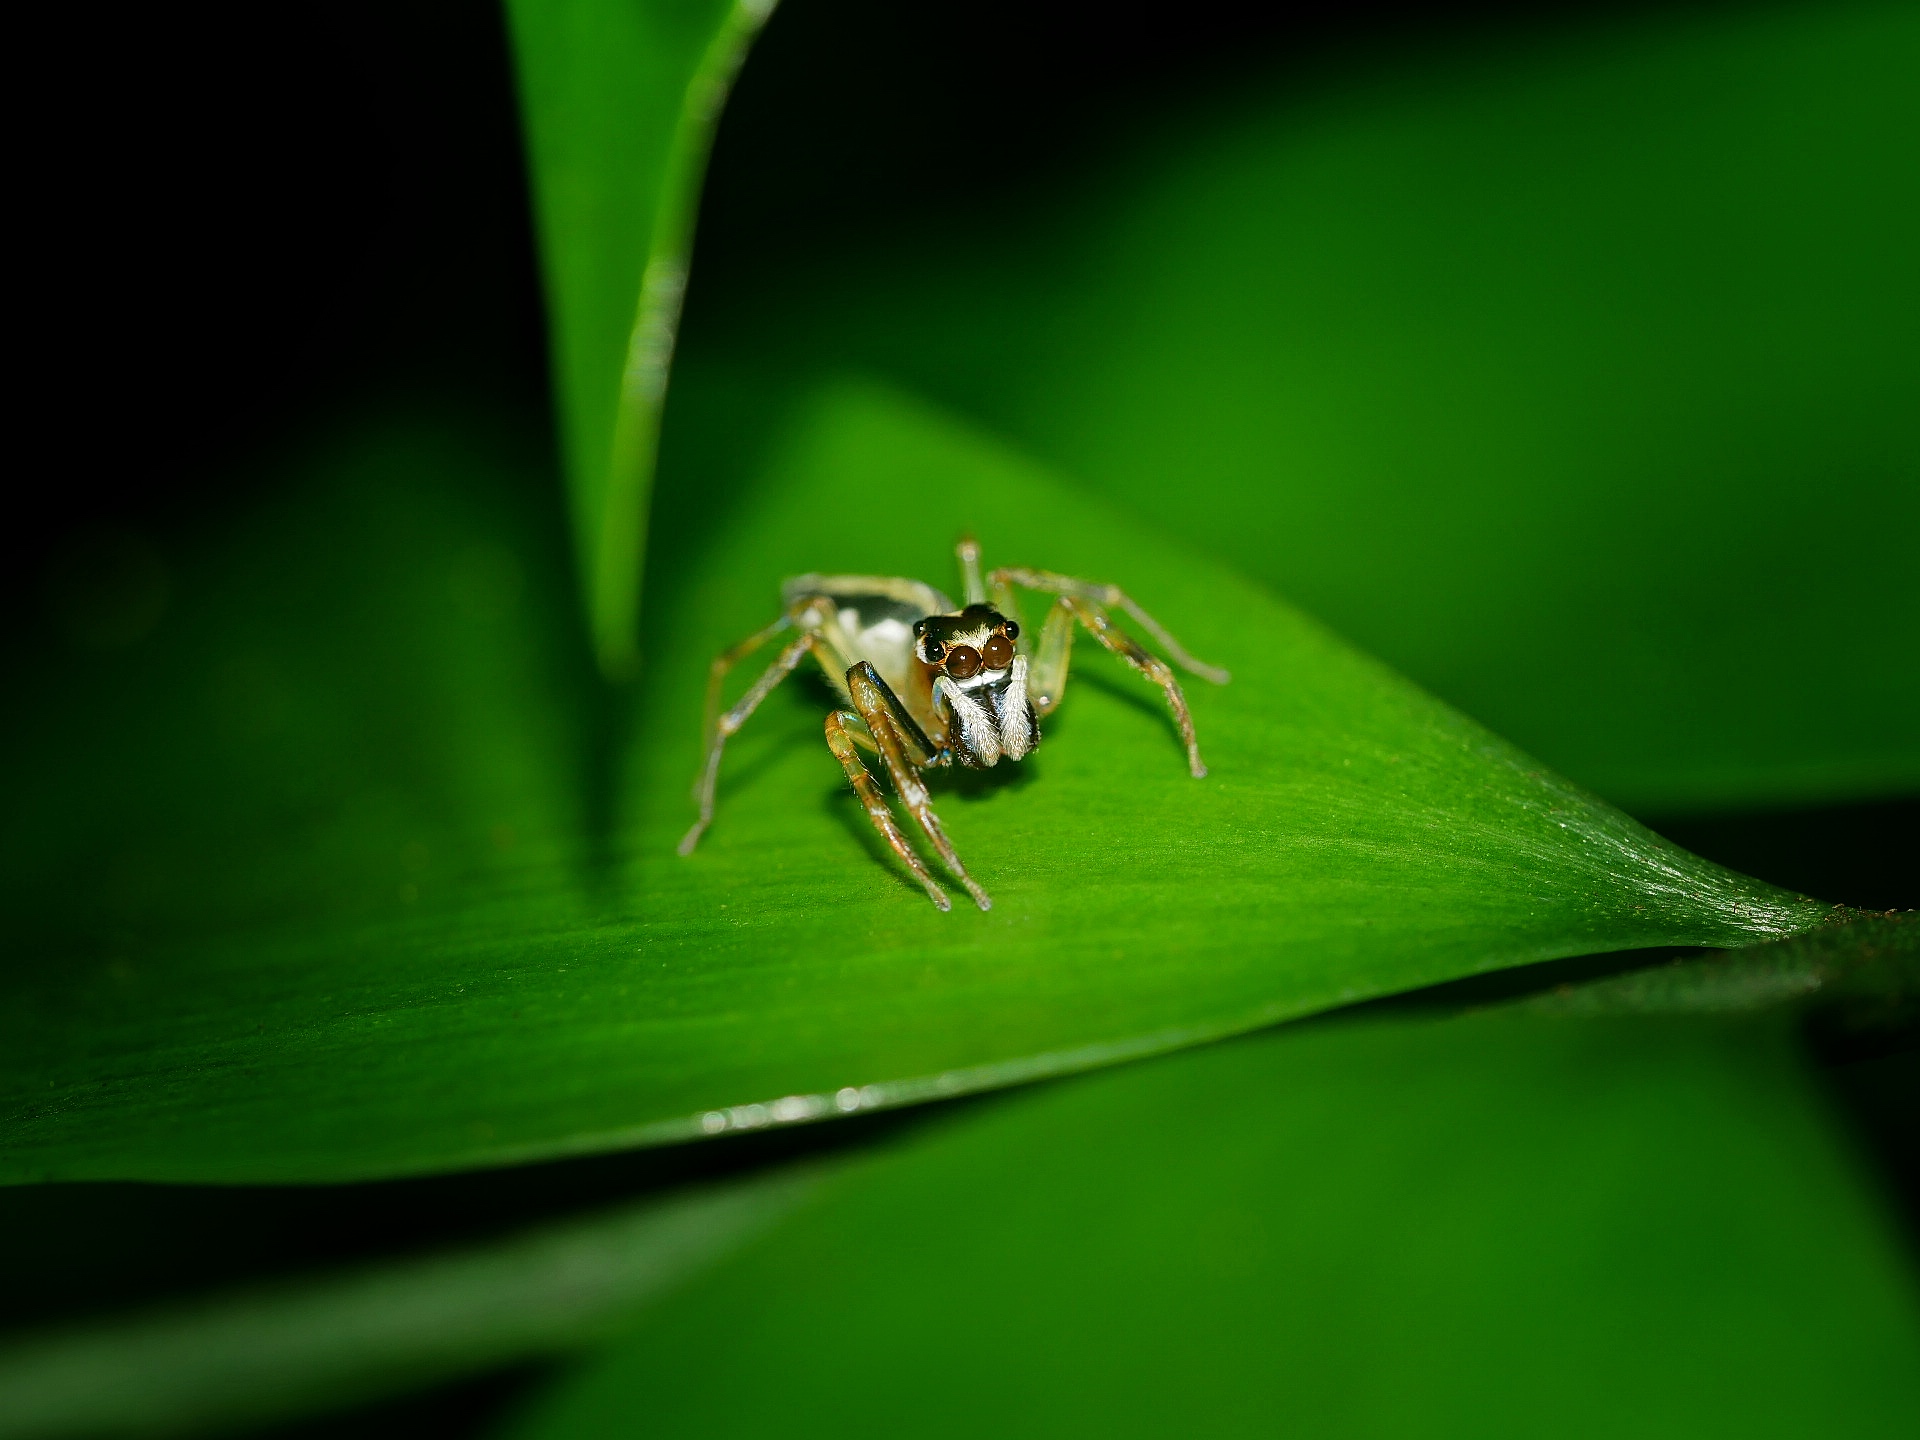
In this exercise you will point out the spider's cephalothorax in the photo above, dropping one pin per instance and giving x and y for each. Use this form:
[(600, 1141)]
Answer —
[(979, 683), (928, 683)]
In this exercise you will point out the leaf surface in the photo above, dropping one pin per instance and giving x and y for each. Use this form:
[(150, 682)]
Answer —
[(620, 98), (390, 914), (1490, 1226)]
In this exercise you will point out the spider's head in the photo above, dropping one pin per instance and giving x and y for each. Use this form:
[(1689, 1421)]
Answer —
[(979, 683)]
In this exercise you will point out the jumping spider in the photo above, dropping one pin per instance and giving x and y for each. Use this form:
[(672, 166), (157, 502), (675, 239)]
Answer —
[(931, 682)]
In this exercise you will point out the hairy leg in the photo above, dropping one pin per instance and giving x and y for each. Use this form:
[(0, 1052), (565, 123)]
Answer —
[(717, 672), (1152, 667), (841, 739), (1106, 596), (871, 698), (918, 749), (725, 725)]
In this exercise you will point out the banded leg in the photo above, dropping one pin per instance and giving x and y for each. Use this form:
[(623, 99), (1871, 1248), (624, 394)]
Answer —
[(717, 672), (1105, 596), (1049, 673), (725, 725), (876, 703), (841, 740)]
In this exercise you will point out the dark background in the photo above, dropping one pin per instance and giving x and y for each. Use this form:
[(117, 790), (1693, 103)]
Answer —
[(239, 218)]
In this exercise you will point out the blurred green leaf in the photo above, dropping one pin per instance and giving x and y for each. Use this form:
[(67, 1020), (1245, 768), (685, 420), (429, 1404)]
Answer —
[(324, 1342), (397, 918), (1490, 1226), (1572, 375), (620, 98), (331, 1341), (1868, 969)]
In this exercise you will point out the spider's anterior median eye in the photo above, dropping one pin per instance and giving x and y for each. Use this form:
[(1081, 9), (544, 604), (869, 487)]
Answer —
[(963, 661), (936, 652), (997, 652)]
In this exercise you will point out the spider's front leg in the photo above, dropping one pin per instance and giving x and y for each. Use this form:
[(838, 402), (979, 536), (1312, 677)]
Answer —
[(1101, 597), (843, 734), (1085, 603), (903, 747)]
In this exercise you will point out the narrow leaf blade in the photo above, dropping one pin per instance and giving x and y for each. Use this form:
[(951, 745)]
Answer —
[(332, 1341), (620, 98)]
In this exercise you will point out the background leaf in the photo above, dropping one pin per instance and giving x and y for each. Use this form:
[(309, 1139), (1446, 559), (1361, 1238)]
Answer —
[(453, 993), (620, 99), (1485, 1226), (1567, 368), (438, 1279), (325, 1342)]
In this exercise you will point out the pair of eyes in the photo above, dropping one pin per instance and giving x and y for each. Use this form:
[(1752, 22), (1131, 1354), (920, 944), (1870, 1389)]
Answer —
[(963, 661)]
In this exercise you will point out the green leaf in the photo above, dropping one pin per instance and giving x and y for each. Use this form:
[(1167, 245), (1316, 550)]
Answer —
[(332, 1341), (620, 98), (389, 914), (1492, 1226), (1867, 970), (324, 1342), (1572, 375)]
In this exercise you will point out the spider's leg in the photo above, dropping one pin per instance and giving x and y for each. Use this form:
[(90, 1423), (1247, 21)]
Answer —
[(914, 744), (1001, 595), (1152, 667), (878, 705), (1111, 596), (717, 672), (841, 740), (1047, 680), (969, 552), (784, 665)]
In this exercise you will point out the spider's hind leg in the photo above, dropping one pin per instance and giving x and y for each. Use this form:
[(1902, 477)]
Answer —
[(720, 726)]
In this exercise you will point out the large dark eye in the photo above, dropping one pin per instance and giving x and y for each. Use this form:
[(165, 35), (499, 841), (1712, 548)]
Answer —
[(997, 652), (963, 662), (1013, 629), (936, 652)]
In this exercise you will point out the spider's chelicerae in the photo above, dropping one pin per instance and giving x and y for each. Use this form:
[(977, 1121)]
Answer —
[(930, 682)]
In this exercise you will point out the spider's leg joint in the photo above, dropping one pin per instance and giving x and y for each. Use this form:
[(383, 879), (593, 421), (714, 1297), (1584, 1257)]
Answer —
[(840, 739)]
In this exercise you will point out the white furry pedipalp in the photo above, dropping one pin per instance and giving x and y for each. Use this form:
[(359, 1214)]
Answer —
[(978, 733), (1016, 719)]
